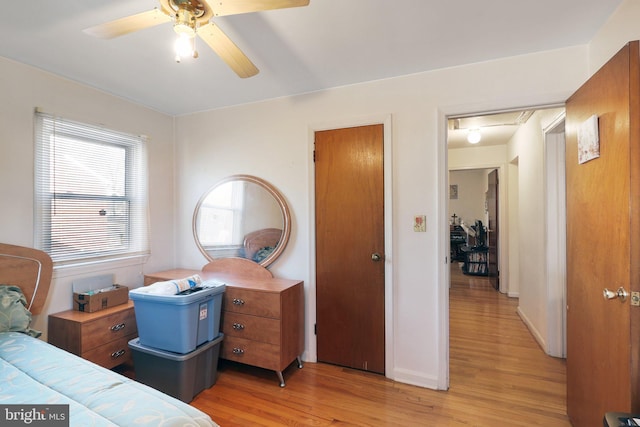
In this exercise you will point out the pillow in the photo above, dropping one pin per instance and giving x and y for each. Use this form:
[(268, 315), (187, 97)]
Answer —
[(14, 316), (262, 253)]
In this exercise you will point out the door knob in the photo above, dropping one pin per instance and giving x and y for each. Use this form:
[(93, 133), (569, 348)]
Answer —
[(376, 257), (620, 293)]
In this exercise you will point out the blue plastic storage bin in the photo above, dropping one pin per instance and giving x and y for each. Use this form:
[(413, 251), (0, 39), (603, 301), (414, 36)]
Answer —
[(178, 323)]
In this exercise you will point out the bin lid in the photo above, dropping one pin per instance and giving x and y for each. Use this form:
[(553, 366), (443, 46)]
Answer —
[(134, 344), (178, 299)]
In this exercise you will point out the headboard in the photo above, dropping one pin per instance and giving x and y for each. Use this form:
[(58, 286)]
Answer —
[(264, 238), (238, 267), (28, 268)]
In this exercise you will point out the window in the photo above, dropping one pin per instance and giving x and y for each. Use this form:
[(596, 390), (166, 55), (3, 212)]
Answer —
[(221, 216), (90, 192)]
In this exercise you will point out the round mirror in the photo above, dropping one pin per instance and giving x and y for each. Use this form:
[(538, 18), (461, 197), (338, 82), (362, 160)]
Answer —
[(243, 217)]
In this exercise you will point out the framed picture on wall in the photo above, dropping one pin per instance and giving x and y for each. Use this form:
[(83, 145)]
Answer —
[(453, 191)]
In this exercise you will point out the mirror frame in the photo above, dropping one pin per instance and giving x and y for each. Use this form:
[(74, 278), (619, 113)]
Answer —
[(280, 200)]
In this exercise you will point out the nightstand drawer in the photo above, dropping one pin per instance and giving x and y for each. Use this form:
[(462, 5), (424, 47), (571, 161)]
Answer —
[(111, 354), (251, 327), (109, 328)]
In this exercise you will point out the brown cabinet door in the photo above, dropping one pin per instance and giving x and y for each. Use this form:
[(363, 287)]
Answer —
[(349, 193), (603, 221)]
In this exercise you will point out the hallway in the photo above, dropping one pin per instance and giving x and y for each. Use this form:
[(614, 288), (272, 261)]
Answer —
[(494, 359)]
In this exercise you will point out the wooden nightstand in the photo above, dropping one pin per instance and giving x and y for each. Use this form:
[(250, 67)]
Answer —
[(101, 337)]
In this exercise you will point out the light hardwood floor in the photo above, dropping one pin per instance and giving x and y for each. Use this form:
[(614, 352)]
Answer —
[(498, 376)]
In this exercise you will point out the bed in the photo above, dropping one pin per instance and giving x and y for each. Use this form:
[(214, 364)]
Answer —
[(33, 372), (260, 243)]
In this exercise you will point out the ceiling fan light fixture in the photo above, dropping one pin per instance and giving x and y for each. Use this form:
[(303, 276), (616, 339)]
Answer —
[(185, 23), (194, 18), (185, 46), (474, 136)]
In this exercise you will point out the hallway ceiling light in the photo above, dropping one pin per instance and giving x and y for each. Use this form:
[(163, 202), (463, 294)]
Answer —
[(474, 136)]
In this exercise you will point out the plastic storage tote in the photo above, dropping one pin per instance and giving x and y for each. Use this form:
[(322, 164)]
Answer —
[(178, 323), (182, 376)]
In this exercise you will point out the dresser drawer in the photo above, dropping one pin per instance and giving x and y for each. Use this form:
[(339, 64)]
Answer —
[(112, 353), (248, 301), (108, 328), (251, 352), (251, 327)]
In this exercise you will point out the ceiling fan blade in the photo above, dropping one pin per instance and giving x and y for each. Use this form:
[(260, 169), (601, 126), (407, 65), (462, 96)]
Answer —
[(221, 44), (234, 7), (128, 24)]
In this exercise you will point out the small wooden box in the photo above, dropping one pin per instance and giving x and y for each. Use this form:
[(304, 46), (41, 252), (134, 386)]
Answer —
[(90, 302)]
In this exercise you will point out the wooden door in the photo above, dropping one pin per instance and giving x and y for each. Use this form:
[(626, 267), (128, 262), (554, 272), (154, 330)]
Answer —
[(493, 229), (603, 226), (349, 202)]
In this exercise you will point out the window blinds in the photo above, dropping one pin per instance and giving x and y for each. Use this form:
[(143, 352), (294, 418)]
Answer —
[(91, 197)]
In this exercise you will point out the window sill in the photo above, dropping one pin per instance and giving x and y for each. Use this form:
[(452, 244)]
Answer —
[(65, 270)]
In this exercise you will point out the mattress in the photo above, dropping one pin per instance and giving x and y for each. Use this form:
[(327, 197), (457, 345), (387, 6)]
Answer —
[(33, 372)]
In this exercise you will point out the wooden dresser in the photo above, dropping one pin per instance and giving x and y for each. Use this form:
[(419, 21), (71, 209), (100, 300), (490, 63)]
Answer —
[(262, 318), (101, 337)]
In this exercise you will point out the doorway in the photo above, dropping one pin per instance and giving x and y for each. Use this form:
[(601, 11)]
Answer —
[(522, 161), (474, 229)]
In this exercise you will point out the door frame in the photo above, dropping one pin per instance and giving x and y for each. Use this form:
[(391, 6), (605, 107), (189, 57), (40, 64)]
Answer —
[(556, 241), (444, 278), (310, 309)]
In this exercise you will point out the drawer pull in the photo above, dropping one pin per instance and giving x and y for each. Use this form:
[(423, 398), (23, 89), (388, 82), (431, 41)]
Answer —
[(118, 327), (238, 326), (238, 301), (237, 350), (117, 354)]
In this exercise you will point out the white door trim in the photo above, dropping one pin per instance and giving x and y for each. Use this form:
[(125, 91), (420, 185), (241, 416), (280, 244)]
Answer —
[(556, 242)]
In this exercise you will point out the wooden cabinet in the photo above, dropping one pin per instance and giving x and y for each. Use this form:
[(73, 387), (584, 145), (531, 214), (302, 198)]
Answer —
[(262, 319), (101, 337), (263, 325)]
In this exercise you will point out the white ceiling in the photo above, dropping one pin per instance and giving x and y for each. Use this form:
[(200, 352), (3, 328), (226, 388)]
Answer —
[(326, 44)]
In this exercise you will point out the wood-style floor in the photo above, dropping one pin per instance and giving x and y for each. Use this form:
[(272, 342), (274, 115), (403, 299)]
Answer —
[(498, 376)]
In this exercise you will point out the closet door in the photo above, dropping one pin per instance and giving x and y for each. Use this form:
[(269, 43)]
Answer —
[(350, 265)]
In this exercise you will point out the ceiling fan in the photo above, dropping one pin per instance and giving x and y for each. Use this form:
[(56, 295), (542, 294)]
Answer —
[(191, 18)]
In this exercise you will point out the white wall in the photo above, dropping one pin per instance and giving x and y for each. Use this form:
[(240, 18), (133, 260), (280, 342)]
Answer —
[(513, 238), (527, 145), (23, 89), (620, 28), (469, 206), (272, 140)]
